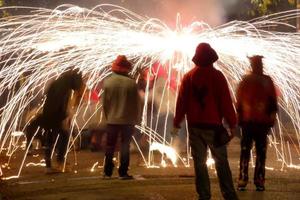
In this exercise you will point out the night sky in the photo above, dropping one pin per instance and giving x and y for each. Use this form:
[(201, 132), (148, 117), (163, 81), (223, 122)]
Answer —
[(213, 12)]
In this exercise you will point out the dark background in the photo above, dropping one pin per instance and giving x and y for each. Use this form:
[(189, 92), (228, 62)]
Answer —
[(214, 12)]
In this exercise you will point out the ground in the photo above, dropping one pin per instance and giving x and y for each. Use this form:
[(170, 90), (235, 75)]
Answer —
[(149, 184)]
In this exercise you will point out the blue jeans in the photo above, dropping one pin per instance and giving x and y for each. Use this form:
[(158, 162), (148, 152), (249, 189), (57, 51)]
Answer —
[(113, 131), (200, 140)]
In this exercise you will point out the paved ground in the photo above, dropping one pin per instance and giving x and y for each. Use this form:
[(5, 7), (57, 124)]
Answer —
[(150, 184)]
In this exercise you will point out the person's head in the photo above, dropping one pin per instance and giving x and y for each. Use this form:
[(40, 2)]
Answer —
[(76, 79), (121, 65), (205, 55), (256, 64)]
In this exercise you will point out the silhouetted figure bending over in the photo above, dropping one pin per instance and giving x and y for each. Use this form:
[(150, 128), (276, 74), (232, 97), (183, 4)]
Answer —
[(55, 115)]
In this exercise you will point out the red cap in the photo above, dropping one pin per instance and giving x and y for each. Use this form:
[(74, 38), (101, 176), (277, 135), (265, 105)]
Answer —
[(121, 64)]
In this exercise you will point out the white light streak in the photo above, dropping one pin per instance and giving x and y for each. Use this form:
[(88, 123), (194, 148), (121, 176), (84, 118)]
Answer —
[(38, 47), (93, 167), (40, 164), (165, 150)]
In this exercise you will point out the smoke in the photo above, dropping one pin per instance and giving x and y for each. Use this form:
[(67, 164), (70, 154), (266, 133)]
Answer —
[(212, 12)]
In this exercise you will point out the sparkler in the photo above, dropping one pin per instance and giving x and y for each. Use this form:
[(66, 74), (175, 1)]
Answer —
[(38, 47)]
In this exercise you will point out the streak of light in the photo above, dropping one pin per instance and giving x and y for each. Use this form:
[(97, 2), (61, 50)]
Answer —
[(166, 150), (93, 167), (35, 164), (37, 48)]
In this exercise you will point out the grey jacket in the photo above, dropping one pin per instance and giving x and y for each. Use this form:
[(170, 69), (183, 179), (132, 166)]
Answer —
[(120, 100)]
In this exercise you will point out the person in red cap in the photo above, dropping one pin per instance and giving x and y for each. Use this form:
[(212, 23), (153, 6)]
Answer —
[(121, 105), (205, 100), (256, 108)]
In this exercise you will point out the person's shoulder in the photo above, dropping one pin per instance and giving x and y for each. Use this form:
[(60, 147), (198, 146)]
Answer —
[(125, 79), (186, 77), (268, 80), (218, 74), (107, 78), (216, 71), (247, 77), (267, 77), (189, 74)]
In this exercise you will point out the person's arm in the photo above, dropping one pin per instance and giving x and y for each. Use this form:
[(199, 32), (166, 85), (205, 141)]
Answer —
[(273, 103), (139, 99), (181, 103), (102, 100), (238, 104), (227, 108)]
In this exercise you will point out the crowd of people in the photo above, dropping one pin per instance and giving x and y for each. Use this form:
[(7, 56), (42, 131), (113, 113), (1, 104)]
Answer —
[(204, 100)]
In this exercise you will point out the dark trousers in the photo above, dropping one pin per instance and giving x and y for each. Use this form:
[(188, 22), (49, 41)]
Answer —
[(30, 131), (61, 145), (125, 131), (200, 140), (257, 133)]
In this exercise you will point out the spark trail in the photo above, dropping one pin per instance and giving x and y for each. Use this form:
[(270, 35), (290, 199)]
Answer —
[(36, 48)]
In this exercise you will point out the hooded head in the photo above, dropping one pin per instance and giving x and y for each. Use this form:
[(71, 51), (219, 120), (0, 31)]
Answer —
[(205, 55), (76, 79), (256, 64), (121, 65)]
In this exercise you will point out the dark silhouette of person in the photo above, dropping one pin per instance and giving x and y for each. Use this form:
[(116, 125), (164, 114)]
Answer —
[(34, 131), (256, 108), (56, 117), (205, 100), (121, 105)]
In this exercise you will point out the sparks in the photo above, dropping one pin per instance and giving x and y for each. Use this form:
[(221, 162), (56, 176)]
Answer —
[(36, 48), (93, 167)]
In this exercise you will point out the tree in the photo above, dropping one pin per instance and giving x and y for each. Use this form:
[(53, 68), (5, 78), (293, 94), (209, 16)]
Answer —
[(264, 7), (249, 9), (269, 6), (16, 11)]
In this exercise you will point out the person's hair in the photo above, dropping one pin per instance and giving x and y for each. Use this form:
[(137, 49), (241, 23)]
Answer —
[(77, 80), (205, 55), (256, 64)]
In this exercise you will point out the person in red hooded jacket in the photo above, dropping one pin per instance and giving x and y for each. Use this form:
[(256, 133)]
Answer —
[(256, 108), (205, 100)]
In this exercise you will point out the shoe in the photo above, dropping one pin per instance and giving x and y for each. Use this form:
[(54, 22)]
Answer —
[(30, 152), (260, 188), (126, 177), (63, 168), (106, 177), (242, 185), (50, 170)]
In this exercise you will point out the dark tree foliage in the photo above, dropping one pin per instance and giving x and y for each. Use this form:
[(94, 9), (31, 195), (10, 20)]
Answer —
[(29, 3), (249, 9)]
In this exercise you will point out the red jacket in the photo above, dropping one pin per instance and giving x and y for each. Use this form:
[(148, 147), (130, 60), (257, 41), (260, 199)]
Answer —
[(256, 100), (204, 98)]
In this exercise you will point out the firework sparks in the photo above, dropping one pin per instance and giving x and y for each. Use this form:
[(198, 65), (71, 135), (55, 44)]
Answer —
[(165, 150), (93, 167), (37, 48)]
